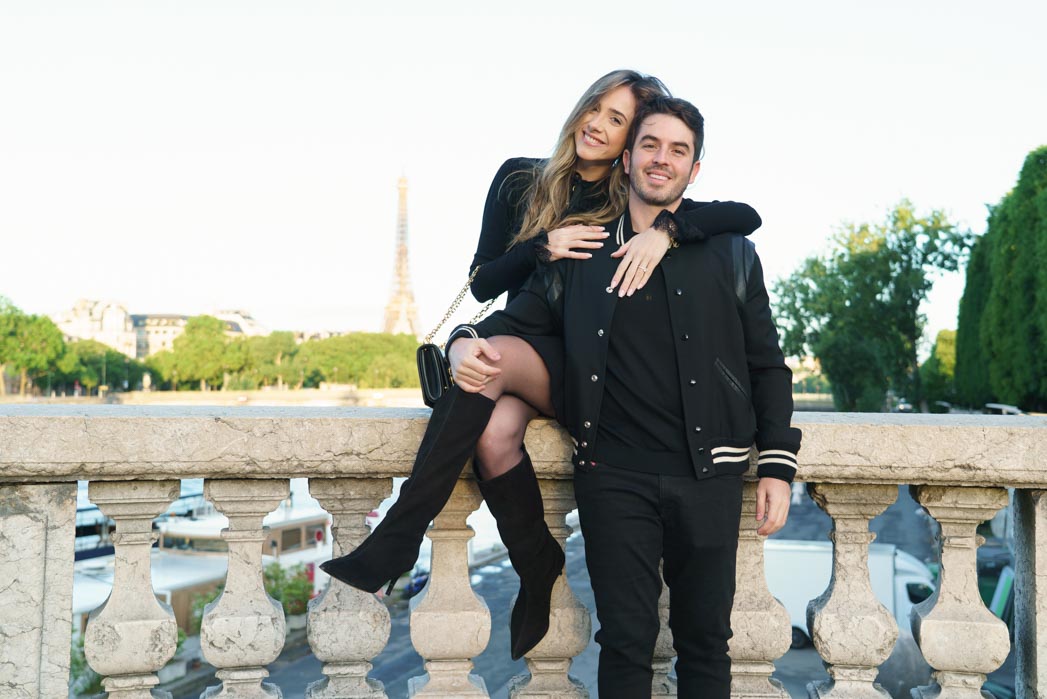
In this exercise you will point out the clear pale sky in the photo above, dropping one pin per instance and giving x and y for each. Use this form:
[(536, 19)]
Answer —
[(181, 157)]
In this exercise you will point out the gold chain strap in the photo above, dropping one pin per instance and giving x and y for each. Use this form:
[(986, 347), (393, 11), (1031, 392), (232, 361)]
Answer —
[(454, 307)]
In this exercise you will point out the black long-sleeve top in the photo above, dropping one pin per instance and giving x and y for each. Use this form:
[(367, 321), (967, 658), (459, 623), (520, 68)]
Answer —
[(505, 269)]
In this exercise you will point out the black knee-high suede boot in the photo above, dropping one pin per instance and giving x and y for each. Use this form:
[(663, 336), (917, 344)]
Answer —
[(458, 420), (516, 503)]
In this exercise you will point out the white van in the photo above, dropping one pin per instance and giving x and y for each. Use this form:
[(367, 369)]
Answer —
[(799, 571)]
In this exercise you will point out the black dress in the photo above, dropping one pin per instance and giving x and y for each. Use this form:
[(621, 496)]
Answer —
[(505, 269)]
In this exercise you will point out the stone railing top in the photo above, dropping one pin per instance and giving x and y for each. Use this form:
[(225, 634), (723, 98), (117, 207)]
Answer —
[(69, 442)]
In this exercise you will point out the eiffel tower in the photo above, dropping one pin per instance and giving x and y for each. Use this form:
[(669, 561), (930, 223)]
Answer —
[(401, 314)]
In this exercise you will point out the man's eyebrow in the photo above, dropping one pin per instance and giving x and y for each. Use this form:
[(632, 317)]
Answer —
[(682, 144)]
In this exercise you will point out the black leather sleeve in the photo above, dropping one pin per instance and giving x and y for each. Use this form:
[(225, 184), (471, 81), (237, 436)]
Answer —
[(771, 382), (695, 221)]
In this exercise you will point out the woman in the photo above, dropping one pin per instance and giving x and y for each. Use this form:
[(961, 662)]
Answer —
[(569, 195)]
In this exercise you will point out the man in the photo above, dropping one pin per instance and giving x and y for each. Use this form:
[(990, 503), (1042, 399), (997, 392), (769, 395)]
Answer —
[(666, 390)]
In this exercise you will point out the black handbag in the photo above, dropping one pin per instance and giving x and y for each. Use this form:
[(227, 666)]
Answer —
[(434, 371)]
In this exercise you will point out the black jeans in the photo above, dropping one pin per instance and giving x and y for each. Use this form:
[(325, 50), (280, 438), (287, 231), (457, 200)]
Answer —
[(631, 521)]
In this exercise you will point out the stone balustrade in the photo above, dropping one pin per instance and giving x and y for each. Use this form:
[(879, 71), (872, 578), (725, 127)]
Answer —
[(959, 468)]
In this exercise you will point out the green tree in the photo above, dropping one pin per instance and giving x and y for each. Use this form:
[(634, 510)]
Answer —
[(33, 346), (939, 371), (200, 351), (1013, 328), (271, 358), (93, 364), (972, 360), (857, 307), (9, 318)]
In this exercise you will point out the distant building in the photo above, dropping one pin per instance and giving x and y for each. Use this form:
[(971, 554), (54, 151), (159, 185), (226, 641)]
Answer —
[(401, 314), (140, 335), (243, 320), (107, 322), (156, 332)]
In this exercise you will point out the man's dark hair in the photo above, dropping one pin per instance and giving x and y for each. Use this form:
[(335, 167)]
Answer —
[(673, 106)]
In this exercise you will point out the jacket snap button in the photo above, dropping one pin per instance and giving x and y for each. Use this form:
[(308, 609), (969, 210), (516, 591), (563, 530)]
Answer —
[(585, 444), (595, 378), (685, 337), (587, 424), (609, 290), (679, 292), (697, 428), (600, 332), (705, 469), (701, 450), (693, 382)]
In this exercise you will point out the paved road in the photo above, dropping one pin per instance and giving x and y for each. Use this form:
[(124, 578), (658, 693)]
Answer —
[(901, 525)]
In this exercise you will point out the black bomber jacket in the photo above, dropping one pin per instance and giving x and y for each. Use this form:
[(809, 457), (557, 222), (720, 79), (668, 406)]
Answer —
[(735, 385)]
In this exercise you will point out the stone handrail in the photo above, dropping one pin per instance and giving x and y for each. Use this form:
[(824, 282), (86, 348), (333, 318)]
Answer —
[(133, 457)]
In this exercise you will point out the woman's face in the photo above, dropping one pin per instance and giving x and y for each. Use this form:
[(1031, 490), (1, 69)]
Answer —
[(601, 136)]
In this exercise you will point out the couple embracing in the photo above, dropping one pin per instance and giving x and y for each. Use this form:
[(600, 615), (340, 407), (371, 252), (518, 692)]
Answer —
[(640, 321)]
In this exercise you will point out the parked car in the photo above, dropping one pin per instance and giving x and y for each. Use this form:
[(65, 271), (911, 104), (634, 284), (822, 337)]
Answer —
[(1003, 409), (799, 571)]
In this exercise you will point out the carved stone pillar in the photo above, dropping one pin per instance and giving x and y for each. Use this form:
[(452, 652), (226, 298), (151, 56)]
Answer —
[(663, 685), (347, 627), (762, 632), (852, 631), (132, 635), (569, 623), (37, 528), (1030, 601), (958, 636), (243, 630), (449, 623)]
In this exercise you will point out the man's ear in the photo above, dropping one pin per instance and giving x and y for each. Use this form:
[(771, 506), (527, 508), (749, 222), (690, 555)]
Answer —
[(694, 171), (625, 161)]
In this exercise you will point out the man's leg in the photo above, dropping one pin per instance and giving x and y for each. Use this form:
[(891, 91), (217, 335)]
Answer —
[(701, 543), (618, 511)]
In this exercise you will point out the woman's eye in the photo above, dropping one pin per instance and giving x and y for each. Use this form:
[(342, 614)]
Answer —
[(616, 121)]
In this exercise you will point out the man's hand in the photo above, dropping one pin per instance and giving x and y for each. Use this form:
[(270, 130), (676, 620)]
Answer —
[(772, 501), (468, 367), (563, 241), (642, 254)]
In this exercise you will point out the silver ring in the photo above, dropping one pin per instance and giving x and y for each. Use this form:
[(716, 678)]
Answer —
[(643, 269)]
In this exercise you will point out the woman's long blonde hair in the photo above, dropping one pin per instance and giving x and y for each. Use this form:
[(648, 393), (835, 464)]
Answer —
[(549, 194)]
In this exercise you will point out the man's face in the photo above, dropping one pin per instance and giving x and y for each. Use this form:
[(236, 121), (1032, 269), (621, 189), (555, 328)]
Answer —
[(661, 163)]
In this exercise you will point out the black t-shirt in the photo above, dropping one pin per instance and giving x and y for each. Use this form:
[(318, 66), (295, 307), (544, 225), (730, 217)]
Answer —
[(641, 416)]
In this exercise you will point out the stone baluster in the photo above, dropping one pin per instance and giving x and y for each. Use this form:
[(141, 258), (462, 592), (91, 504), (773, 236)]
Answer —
[(37, 529), (958, 636), (243, 630), (762, 632), (1030, 597), (449, 623), (132, 634), (569, 623), (663, 685), (347, 627), (852, 631)]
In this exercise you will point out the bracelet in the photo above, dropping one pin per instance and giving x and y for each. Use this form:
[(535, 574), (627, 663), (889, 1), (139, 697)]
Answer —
[(541, 247), (665, 223)]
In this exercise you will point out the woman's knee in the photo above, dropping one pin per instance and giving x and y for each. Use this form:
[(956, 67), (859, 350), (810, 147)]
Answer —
[(504, 433)]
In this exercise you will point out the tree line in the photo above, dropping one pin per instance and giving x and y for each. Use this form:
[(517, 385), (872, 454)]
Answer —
[(34, 353), (203, 357), (1001, 337), (856, 306)]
